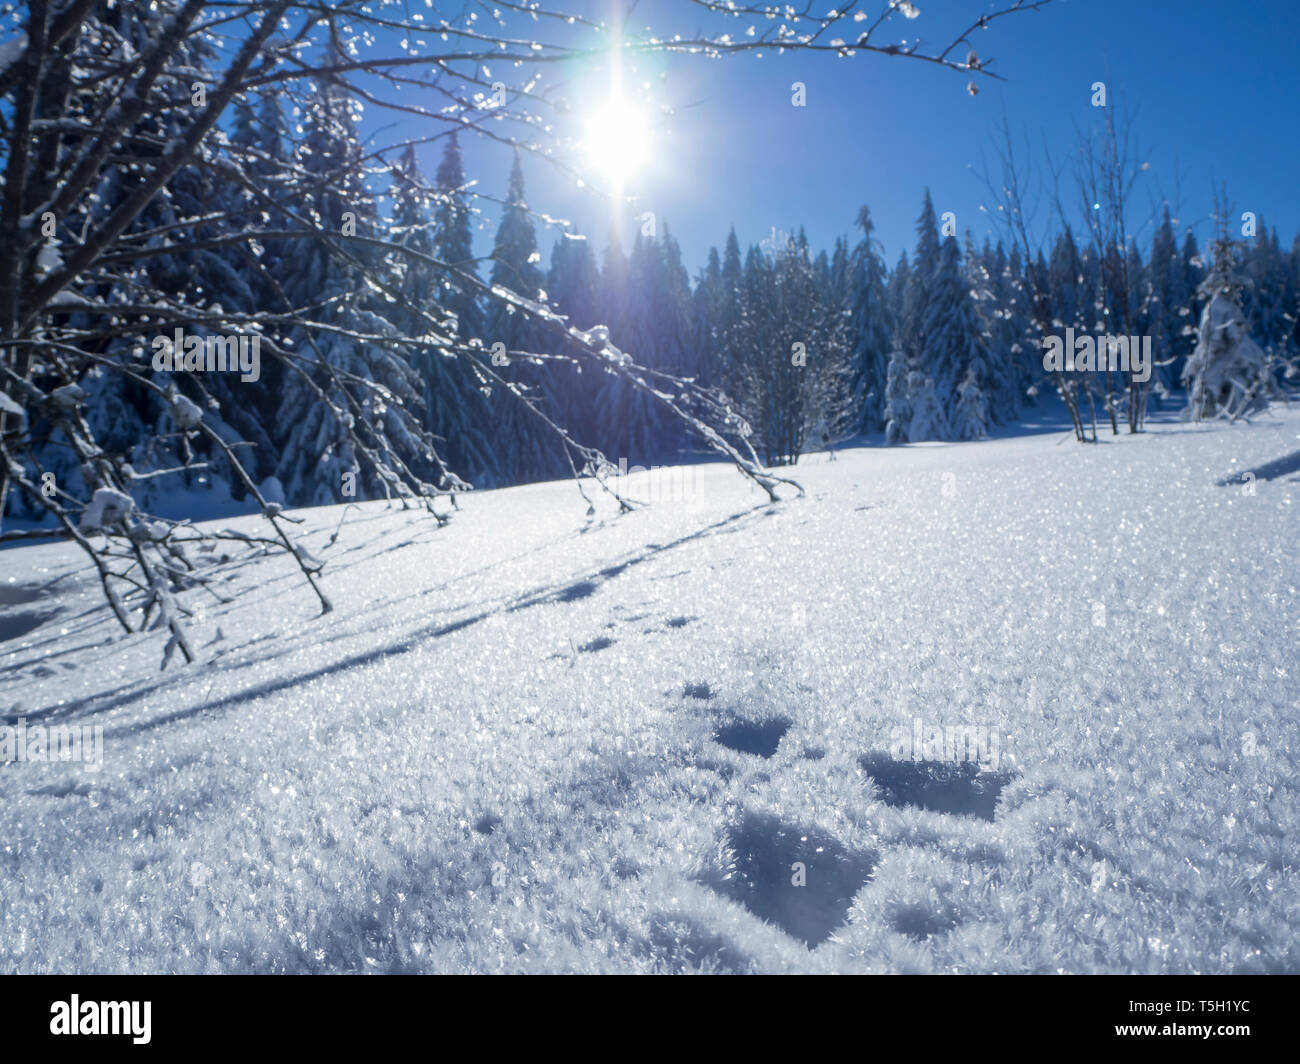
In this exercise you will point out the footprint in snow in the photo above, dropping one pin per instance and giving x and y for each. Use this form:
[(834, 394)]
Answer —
[(960, 788), (799, 879), (759, 737)]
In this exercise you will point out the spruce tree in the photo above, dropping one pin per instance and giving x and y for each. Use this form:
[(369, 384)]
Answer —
[(628, 420), (706, 313), (970, 412), (527, 449), (453, 243), (898, 410), (453, 407), (574, 286), (916, 298), (870, 326), (349, 390), (951, 331), (1166, 301)]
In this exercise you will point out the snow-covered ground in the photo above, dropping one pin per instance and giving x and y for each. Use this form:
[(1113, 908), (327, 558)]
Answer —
[(680, 739)]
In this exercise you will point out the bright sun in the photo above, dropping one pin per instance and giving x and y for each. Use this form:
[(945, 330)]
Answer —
[(617, 140)]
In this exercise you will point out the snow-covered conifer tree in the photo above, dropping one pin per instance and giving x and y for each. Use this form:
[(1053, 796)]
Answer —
[(916, 298), (870, 327), (453, 242), (574, 286), (970, 415), (527, 450), (898, 410), (952, 337), (628, 423), (788, 356), (454, 409), (928, 419), (1227, 374), (349, 391), (1166, 301)]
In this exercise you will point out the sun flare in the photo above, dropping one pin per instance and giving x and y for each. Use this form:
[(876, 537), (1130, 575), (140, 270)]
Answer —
[(617, 140)]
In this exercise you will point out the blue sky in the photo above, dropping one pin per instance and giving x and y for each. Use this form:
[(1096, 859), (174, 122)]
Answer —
[(1213, 93)]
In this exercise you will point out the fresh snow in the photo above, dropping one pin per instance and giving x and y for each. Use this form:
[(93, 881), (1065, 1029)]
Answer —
[(107, 507), (537, 741)]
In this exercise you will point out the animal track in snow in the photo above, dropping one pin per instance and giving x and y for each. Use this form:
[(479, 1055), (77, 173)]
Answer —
[(960, 788), (759, 737), (801, 880)]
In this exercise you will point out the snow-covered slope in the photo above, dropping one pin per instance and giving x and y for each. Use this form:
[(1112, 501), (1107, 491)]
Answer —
[(679, 739)]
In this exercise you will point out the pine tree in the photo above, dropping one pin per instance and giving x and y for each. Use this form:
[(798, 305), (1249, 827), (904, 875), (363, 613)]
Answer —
[(129, 422), (1227, 374), (453, 243), (916, 299), (730, 295), (928, 421), (706, 315), (1002, 371), (349, 391), (260, 135), (574, 286), (896, 295), (788, 354), (673, 331), (454, 409), (1166, 300), (1264, 302), (970, 414), (527, 449), (870, 327), (898, 410), (628, 421), (951, 332)]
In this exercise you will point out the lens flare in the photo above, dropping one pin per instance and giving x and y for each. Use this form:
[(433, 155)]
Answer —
[(617, 140)]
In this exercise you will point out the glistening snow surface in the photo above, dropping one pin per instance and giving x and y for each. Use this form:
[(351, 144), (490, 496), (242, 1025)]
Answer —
[(532, 741)]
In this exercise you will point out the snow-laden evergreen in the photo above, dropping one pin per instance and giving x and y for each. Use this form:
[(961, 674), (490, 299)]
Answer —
[(1227, 374), (898, 410), (953, 340), (533, 452), (342, 389), (871, 328), (913, 320), (928, 420), (970, 413)]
